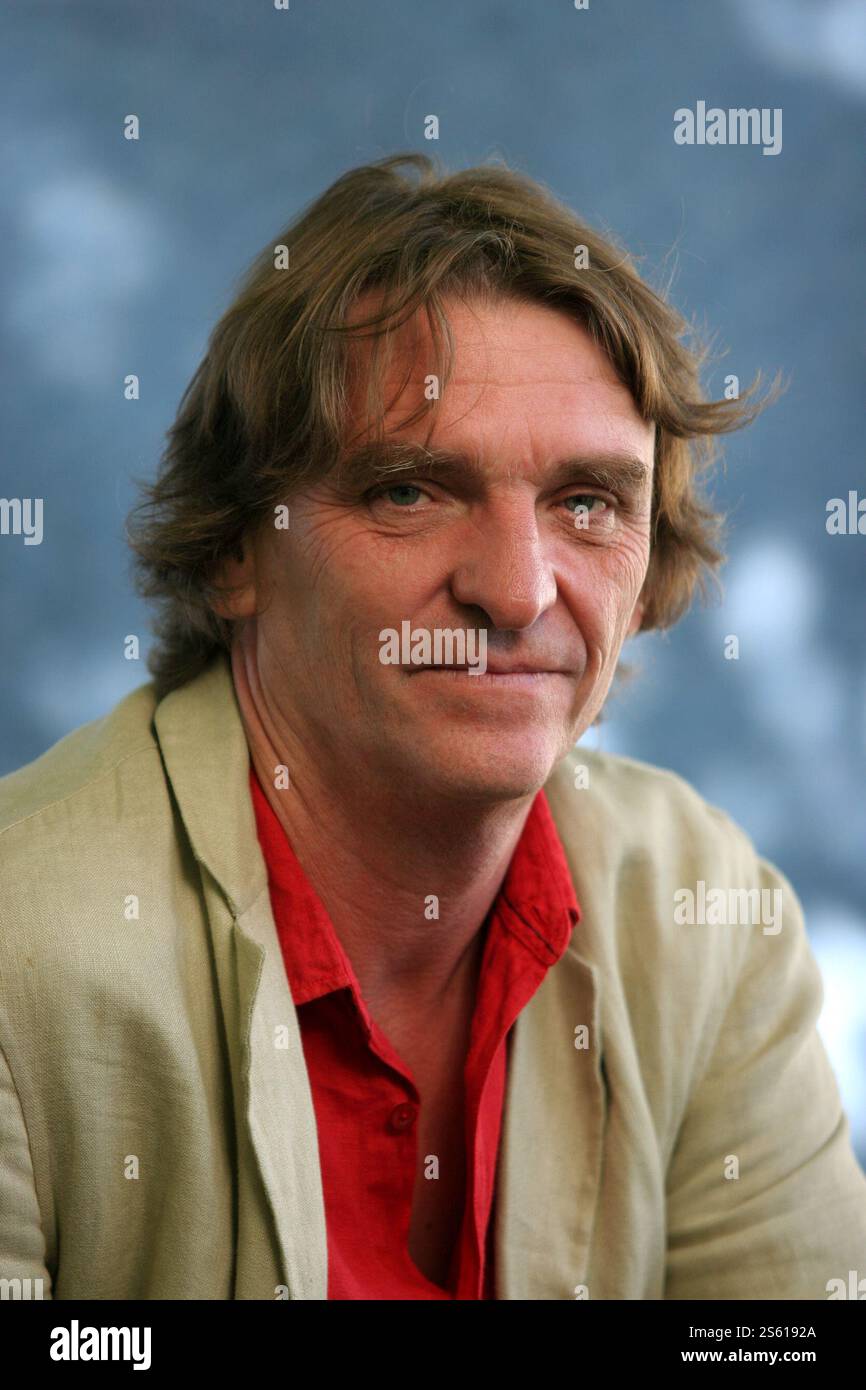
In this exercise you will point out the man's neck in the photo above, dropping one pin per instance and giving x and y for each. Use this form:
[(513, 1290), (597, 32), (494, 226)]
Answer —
[(377, 857)]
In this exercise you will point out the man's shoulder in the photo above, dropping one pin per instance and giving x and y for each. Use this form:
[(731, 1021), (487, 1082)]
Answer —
[(67, 788), (82, 827), (640, 841), (638, 807)]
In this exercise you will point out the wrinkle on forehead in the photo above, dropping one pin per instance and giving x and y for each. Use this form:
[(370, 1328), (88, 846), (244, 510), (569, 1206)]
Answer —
[(500, 347)]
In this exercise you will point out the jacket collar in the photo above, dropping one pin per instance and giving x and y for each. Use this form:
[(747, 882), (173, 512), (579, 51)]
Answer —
[(205, 752)]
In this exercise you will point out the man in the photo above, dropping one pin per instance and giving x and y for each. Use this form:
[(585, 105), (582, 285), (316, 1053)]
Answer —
[(332, 968)]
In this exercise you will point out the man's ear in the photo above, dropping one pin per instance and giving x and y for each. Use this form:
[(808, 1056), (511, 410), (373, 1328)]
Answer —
[(636, 618), (236, 575)]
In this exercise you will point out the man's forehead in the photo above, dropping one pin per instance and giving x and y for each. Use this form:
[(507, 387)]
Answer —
[(544, 391), (501, 342)]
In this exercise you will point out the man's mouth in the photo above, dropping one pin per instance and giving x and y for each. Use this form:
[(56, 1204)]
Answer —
[(514, 677), (491, 669)]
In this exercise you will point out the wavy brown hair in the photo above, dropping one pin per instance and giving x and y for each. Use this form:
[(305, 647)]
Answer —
[(267, 406)]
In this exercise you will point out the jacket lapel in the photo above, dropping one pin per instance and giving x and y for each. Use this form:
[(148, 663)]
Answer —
[(205, 752), (552, 1139)]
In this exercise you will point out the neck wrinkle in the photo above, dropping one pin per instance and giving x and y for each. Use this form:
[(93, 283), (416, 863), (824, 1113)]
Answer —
[(257, 724)]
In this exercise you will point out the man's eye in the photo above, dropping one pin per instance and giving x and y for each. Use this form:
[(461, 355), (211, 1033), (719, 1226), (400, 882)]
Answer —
[(582, 498), (405, 496), (396, 493)]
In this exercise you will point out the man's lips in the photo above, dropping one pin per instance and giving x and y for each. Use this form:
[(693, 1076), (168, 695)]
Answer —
[(492, 669)]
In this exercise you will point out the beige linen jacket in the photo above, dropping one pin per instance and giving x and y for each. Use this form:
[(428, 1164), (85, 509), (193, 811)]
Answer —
[(157, 1136)]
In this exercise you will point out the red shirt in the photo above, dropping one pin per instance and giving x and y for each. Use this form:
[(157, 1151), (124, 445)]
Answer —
[(364, 1096)]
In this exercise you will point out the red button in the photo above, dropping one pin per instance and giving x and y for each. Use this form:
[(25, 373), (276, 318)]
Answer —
[(403, 1117)]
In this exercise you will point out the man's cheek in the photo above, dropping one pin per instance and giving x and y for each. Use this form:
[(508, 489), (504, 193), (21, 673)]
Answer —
[(624, 581)]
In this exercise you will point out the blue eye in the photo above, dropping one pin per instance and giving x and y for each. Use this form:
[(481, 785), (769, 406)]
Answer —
[(399, 488), (582, 496), (404, 488)]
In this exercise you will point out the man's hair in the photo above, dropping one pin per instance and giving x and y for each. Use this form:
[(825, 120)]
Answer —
[(266, 410)]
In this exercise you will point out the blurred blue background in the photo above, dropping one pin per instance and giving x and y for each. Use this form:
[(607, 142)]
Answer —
[(120, 256)]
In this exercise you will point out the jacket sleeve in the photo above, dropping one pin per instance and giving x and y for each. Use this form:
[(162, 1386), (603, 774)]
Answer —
[(22, 1244), (794, 1217)]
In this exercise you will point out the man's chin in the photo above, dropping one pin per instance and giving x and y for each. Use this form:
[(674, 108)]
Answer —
[(486, 769)]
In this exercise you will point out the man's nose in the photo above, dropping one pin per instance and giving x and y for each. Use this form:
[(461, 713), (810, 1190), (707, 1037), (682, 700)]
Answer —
[(503, 567)]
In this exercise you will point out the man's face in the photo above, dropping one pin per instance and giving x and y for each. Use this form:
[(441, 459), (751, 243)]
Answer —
[(507, 540)]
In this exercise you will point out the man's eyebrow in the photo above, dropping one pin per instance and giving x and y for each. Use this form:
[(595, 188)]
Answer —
[(378, 461)]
